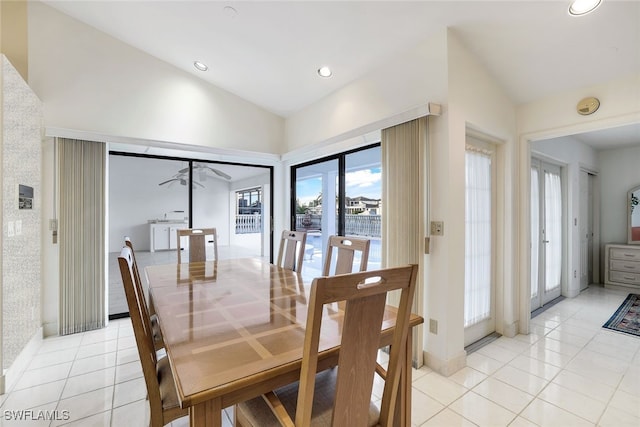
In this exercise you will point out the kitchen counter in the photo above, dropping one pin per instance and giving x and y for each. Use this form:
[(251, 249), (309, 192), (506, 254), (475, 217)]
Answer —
[(162, 233)]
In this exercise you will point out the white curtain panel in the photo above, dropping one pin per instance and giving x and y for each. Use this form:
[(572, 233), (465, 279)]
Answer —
[(478, 232), (81, 180), (553, 229), (535, 230)]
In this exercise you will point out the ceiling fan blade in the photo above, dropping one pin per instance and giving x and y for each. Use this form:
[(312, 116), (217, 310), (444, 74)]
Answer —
[(220, 173), (168, 181), (185, 170), (197, 183)]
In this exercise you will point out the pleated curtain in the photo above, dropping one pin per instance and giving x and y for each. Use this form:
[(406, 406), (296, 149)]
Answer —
[(404, 165), (81, 181), (478, 236)]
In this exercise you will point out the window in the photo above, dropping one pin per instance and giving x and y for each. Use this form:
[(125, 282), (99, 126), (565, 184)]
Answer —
[(249, 201), (249, 211)]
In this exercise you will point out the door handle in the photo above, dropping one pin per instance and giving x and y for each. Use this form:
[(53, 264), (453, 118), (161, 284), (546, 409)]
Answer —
[(545, 241)]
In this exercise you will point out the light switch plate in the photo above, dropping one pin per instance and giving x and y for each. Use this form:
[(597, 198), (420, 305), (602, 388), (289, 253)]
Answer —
[(11, 231), (18, 227)]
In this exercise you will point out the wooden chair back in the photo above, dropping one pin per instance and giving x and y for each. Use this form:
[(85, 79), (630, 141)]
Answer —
[(365, 296), (145, 307), (291, 252), (345, 249), (136, 276), (156, 378), (197, 243)]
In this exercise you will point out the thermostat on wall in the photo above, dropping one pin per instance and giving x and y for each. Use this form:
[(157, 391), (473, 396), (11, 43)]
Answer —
[(25, 197)]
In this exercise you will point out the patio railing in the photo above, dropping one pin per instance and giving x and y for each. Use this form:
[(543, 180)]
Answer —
[(246, 224), (355, 225)]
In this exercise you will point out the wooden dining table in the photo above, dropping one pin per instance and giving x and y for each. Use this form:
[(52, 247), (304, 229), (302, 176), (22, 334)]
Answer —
[(234, 329)]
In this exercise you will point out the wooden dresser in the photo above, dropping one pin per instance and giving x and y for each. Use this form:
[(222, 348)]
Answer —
[(622, 266)]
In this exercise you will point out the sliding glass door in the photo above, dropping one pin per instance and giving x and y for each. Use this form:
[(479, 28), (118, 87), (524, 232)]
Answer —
[(337, 195), (150, 197)]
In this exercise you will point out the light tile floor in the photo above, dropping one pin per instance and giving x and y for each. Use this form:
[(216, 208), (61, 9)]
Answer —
[(567, 372)]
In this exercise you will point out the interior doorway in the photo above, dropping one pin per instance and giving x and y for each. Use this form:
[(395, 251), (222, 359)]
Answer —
[(586, 223)]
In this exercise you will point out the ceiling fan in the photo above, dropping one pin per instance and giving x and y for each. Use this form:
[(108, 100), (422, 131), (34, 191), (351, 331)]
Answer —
[(182, 180), (203, 168)]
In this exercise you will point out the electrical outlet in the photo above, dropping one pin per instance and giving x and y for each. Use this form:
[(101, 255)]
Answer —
[(437, 228), (433, 326)]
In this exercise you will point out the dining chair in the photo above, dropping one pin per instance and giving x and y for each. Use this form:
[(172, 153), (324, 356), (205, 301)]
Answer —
[(197, 238), (158, 342), (342, 397), (161, 388), (345, 249), (291, 253)]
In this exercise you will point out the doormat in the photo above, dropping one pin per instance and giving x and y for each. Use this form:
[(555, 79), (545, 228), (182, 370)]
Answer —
[(627, 317)]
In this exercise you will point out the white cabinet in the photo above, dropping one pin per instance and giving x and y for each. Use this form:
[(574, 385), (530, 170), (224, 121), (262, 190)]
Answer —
[(622, 265), (163, 236)]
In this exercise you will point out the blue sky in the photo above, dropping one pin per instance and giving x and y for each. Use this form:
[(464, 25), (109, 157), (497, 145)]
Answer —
[(364, 182)]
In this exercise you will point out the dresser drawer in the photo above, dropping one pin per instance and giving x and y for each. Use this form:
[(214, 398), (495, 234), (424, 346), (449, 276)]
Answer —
[(625, 253), (622, 277), (620, 265)]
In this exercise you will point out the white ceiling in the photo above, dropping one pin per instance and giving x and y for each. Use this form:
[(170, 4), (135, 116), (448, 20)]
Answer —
[(607, 139), (268, 52)]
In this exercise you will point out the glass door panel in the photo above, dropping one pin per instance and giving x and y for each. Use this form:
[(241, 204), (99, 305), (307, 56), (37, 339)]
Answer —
[(235, 200), (479, 319), (546, 233), (363, 201), (148, 199), (316, 210)]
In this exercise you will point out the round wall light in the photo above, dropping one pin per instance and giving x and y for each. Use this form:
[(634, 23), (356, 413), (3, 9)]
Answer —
[(588, 106)]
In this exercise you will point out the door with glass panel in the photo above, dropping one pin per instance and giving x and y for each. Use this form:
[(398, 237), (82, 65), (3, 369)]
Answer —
[(338, 195), (316, 209), (546, 233), (479, 297)]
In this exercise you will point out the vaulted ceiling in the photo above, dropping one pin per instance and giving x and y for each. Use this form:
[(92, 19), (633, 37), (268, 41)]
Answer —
[(268, 52)]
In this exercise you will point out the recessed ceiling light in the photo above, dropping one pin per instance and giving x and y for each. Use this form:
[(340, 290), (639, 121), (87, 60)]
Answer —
[(582, 7), (230, 11), (324, 71), (200, 66)]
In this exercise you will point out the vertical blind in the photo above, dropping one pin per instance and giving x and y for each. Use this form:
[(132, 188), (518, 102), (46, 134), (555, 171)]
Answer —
[(478, 236), (81, 179), (403, 205)]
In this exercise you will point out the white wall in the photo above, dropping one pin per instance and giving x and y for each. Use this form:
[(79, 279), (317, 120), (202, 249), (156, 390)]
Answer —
[(619, 172), (475, 102), (573, 157), (412, 78), (89, 81), (21, 239)]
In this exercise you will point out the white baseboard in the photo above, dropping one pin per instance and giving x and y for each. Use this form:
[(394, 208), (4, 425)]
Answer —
[(510, 330), (12, 374), (446, 367), (50, 329)]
